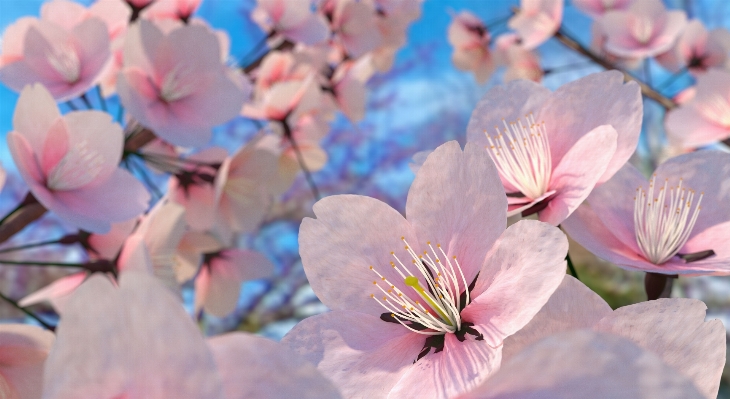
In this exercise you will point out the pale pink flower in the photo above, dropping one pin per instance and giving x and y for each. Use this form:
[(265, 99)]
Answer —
[(643, 30), (71, 162), (137, 341), (393, 19), (348, 87), (697, 49), (23, 351), (537, 21), (171, 9), (705, 118), (585, 364), (116, 14), (659, 226), (470, 39), (279, 101), (569, 140), (520, 63), (418, 307), (177, 96), (65, 50), (293, 20), (673, 329), (598, 46), (596, 8), (355, 26)]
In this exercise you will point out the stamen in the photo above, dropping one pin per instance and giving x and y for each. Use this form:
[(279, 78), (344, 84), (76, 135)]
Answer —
[(662, 229), (522, 156), (174, 87), (64, 60), (78, 167)]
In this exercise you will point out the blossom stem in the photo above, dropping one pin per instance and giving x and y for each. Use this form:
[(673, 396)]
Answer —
[(571, 268), (35, 263), (72, 105), (86, 101), (28, 312), (658, 285), (102, 101), (32, 245), (25, 213), (300, 159)]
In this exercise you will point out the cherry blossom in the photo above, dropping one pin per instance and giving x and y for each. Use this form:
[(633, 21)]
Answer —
[(697, 49), (537, 21), (705, 118), (412, 317), (23, 351), (177, 96), (355, 25), (520, 62), (470, 39), (171, 9), (65, 50), (585, 364), (70, 162), (539, 140), (293, 20), (643, 30), (596, 8), (673, 329), (108, 345), (676, 223)]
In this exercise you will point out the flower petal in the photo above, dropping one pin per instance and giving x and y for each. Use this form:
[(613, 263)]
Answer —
[(35, 113), (23, 351)]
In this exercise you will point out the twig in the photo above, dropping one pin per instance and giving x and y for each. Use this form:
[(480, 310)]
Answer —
[(28, 312), (300, 159)]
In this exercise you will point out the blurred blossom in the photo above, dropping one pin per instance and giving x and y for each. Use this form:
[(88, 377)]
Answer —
[(697, 49), (537, 21), (705, 117), (293, 20), (470, 39), (392, 337), (520, 62), (538, 156), (171, 9), (676, 223), (23, 351), (596, 8), (65, 50), (71, 162)]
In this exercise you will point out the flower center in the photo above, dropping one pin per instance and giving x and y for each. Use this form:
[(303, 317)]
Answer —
[(174, 87), (663, 224), (77, 168), (66, 62), (522, 156), (440, 292), (641, 28)]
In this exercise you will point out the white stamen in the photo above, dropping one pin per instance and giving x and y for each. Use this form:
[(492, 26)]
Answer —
[(441, 296), (174, 87), (77, 168), (66, 62), (523, 158), (641, 28), (663, 228)]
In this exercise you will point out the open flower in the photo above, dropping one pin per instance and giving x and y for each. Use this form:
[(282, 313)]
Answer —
[(705, 118), (136, 341), (65, 50), (23, 352), (294, 20), (520, 63), (537, 21), (585, 364), (177, 96), (643, 30), (697, 49), (673, 329), (418, 308), (551, 149), (71, 162), (676, 223), (470, 39)]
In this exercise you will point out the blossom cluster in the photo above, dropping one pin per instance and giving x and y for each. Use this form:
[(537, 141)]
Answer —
[(466, 294)]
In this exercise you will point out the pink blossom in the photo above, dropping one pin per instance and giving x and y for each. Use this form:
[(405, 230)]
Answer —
[(673, 329), (470, 39), (355, 26), (570, 140), (697, 49), (386, 333), (71, 162), (111, 343), (520, 62), (348, 87), (705, 118), (23, 351), (293, 20), (393, 19), (643, 30), (177, 96), (171, 9), (65, 50), (659, 226), (537, 21), (585, 364), (596, 8)]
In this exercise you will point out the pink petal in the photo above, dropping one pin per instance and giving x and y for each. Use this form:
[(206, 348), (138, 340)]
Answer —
[(94, 48), (687, 127), (57, 293), (460, 367), (714, 238), (65, 14), (350, 234), (585, 364), (573, 306), (94, 133), (312, 30), (579, 170), (107, 245), (26, 162), (35, 113), (676, 331), (199, 202), (272, 370), (141, 42), (598, 99), (518, 276), (361, 354), (55, 146), (109, 345), (23, 351)]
